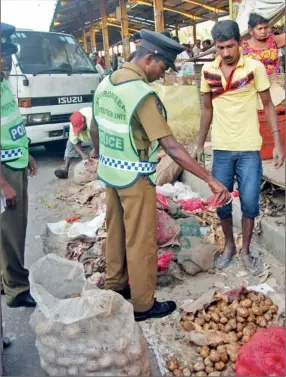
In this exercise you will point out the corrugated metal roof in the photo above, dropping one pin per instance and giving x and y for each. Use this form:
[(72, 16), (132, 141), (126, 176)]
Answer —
[(71, 15)]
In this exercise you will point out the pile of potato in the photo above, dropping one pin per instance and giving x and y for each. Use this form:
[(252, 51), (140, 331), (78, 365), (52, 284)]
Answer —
[(239, 319)]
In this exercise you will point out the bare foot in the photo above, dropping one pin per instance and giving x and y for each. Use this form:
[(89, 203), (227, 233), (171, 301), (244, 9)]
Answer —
[(225, 259)]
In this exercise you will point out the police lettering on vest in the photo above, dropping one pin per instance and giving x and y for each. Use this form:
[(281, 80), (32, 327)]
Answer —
[(14, 141), (119, 161)]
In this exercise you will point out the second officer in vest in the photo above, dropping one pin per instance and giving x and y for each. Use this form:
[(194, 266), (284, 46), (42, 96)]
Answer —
[(130, 125), (16, 163)]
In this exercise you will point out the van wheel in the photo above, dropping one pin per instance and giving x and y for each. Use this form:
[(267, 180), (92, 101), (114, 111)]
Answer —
[(56, 147)]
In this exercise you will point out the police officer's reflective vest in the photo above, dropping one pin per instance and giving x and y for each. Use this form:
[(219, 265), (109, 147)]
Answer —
[(14, 141), (119, 160)]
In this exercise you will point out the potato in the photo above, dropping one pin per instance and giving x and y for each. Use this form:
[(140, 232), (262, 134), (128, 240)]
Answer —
[(251, 318), (201, 374), (239, 335), (268, 316), (185, 317), (247, 303), (261, 321), (233, 337), (172, 363), (222, 304), (232, 323), (233, 366), (221, 314), (178, 372), (211, 308), (186, 372), (215, 317), (215, 373), (208, 361), (169, 374), (200, 321), (240, 326), (213, 326), (206, 317), (188, 326), (249, 330), (214, 356), (253, 296), (242, 312), (200, 359), (273, 309), (264, 308), (209, 369), (240, 319), (220, 327), (198, 349), (227, 328), (220, 365), (235, 305), (224, 357), (191, 316), (205, 351), (231, 314), (245, 339), (200, 366), (221, 348), (223, 320), (232, 353), (262, 296), (206, 327), (268, 302)]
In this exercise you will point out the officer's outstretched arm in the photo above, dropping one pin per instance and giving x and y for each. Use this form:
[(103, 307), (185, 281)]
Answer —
[(179, 154)]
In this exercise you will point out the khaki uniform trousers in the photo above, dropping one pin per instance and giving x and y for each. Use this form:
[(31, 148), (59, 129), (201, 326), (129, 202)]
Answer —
[(131, 248), (13, 236)]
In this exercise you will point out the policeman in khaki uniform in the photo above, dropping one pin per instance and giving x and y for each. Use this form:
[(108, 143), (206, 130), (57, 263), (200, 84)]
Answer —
[(16, 163), (130, 123)]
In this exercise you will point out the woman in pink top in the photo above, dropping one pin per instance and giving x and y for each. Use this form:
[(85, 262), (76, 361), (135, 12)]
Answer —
[(262, 45)]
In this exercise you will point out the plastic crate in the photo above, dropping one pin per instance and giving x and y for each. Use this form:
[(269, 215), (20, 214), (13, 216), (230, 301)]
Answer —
[(265, 131)]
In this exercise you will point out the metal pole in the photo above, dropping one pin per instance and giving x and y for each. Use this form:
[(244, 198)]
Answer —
[(84, 39), (230, 2)]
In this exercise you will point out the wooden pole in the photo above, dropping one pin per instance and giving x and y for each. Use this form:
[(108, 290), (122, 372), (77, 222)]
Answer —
[(92, 37), (124, 29), (230, 2), (159, 15), (195, 32), (105, 33), (84, 39)]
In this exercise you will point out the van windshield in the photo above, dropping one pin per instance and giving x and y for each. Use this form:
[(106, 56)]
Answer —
[(50, 53)]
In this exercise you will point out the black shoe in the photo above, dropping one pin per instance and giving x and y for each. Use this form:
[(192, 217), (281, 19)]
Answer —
[(159, 310), (6, 342), (126, 292), (61, 174), (24, 299)]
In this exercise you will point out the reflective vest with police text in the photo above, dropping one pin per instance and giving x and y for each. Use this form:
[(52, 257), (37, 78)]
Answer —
[(14, 141), (114, 106)]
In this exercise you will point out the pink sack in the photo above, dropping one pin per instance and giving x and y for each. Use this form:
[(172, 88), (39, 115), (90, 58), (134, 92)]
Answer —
[(167, 229), (164, 260)]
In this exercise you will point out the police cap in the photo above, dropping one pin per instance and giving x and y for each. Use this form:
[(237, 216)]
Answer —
[(159, 44), (7, 47)]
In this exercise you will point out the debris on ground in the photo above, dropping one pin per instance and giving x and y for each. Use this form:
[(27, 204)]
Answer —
[(85, 171)]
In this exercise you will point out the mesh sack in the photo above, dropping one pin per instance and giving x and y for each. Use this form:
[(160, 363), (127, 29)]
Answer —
[(83, 331), (263, 355)]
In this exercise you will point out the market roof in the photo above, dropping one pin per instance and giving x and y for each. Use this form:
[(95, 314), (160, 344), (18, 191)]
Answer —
[(71, 15)]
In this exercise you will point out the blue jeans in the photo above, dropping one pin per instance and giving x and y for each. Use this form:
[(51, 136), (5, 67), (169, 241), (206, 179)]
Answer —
[(246, 167)]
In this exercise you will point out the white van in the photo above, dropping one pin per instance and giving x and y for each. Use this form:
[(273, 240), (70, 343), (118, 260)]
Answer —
[(52, 77)]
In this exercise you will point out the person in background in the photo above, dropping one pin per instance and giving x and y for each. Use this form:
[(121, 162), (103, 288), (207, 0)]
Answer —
[(187, 54), (207, 44), (262, 45), (136, 39), (197, 48), (120, 60), (127, 164), (16, 165), (230, 85), (79, 132)]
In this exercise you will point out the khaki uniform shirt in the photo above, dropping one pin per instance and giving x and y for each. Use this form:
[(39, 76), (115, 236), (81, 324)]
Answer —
[(148, 123)]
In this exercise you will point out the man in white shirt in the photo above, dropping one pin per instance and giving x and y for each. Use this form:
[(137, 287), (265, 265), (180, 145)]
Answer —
[(197, 48), (80, 122)]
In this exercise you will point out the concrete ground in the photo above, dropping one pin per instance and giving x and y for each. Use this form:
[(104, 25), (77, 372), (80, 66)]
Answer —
[(22, 359)]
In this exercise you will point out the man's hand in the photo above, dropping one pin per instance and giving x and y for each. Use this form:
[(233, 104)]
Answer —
[(84, 156), (10, 195), (32, 167), (278, 158), (198, 154), (222, 195)]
